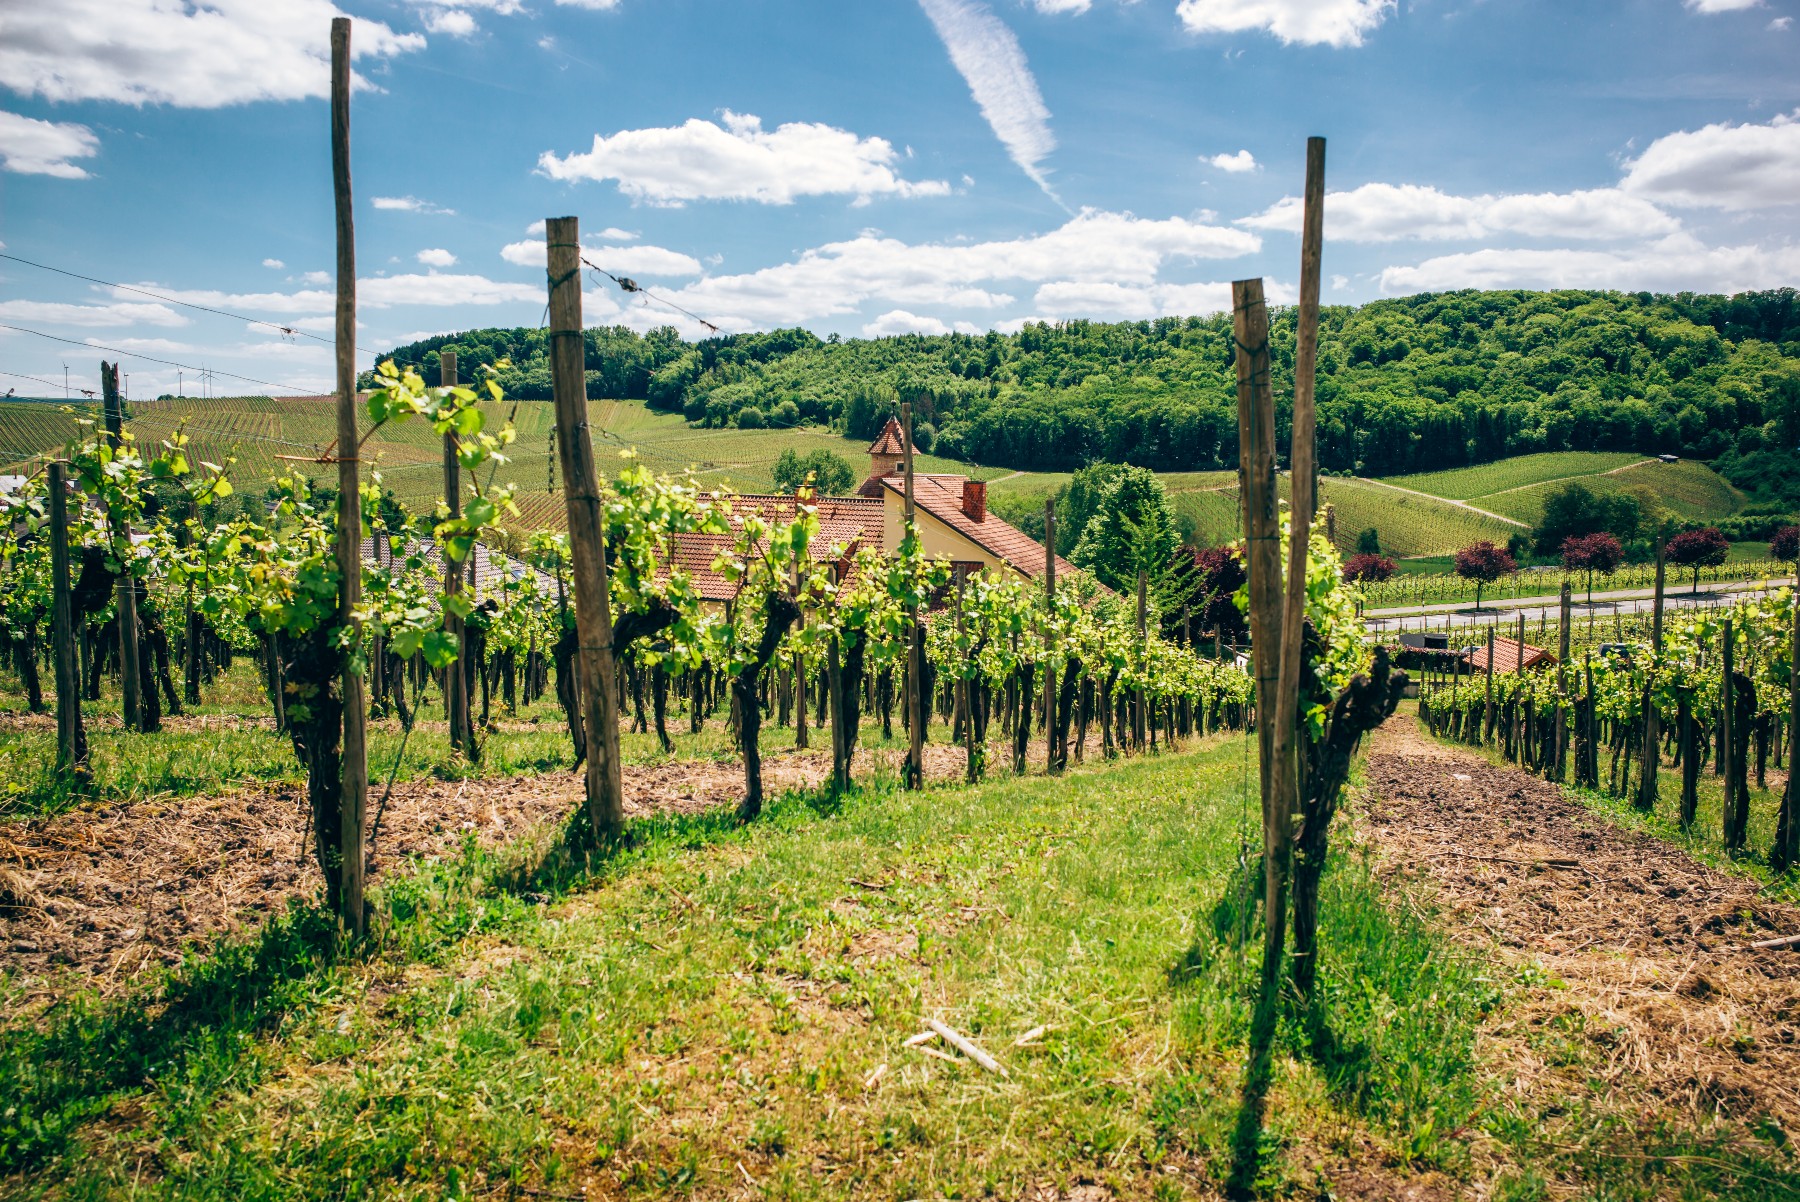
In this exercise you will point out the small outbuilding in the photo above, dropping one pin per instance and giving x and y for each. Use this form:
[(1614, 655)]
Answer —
[(1507, 656)]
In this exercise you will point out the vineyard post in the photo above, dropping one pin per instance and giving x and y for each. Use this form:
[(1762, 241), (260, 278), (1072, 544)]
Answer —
[(1256, 485), (581, 490), (1733, 827), (190, 627), (71, 739), (1052, 752), (1519, 695), (802, 739), (125, 598), (1139, 719), (915, 642), (456, 675), (839, 706), (1487, 708), (1787, 824), (972, 765), (1559, 759), (1646, 798), (355, 780)]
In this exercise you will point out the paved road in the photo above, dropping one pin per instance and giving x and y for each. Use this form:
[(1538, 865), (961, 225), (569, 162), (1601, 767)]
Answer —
[(1505, 618)]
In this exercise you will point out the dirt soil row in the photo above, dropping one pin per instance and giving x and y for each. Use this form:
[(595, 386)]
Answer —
[(97, 897), (1651, 947)]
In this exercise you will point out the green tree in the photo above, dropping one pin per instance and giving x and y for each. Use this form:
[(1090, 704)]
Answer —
[(1575, 511), (1368, 542), (1133, 528), (1078, 500), (832, 475)]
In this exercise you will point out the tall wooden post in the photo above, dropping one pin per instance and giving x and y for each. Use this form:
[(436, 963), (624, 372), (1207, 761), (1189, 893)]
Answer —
[(1786, 851), (1732, 823), (1256, 485), (1646, 796), (581, 489), (802, 723), (191, 626), (71, 739), (1053, 751), (349, 533), (913, 777), (1303, 461), (1487, 706), (125, 593), (973, 757), (1139, 717), (1560, 758), (456, 675)]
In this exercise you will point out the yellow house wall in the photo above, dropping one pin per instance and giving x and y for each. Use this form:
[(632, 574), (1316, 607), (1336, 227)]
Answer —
[(938, 540)]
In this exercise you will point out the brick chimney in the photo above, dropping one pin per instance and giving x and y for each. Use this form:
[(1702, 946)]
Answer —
[(974, 500)]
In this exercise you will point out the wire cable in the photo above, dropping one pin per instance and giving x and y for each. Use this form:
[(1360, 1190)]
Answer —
[(627, 284), (290, 331), (113, 350)]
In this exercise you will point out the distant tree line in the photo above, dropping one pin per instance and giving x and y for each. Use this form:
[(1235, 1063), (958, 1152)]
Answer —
[(1428, 381)]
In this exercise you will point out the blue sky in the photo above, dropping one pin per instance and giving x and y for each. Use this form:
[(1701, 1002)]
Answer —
[(861, 166)]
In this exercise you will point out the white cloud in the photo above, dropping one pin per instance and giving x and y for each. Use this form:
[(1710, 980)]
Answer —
[(1308, 22), (1062, 6), (992, 63), (1677, 263), (537, 227), (150, 346), (1781, 23), (840, 277), (375, 292), (206, 55), (1234, 164), (1064, 299), (739, 160), (596, 5), (1722, 6), (32, 147), (1722, 166), (452, 22), (124, 313), (410, 204), (611, 233), (1392, 212), (274, 264), (1339, 283), (621, 260), (899, 321), (315, 278), (436, 256)]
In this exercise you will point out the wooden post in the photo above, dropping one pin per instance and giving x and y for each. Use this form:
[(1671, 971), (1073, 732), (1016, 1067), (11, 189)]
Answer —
[(972, 762), (1732, 826), (1053, 751), (1487, 707), (1646, 796), (125, 593), (456, 675), (581, 489), (349, 533), (1560, 758), (802, 740), (1787, 822), (1139, 718), (71, 739), (1302, 460), (914, 775), (1256, 486), (190, 639)]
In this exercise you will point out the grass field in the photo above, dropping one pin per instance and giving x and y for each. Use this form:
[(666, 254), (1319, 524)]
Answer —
[(1521, 471)]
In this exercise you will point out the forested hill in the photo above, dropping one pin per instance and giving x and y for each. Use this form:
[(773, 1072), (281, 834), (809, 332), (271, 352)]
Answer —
[(1409, 383)]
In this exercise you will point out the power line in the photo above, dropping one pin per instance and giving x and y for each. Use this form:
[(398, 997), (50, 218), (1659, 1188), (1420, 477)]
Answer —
[(36, 379), (291, 331), (112, 350)]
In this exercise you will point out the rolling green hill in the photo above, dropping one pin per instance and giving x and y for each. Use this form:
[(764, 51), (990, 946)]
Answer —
[(1516, 488)]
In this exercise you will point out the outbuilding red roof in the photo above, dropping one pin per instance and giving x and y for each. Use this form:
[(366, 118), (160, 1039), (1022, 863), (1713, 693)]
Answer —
[(891, 441), (847, 523), (1506, 656)]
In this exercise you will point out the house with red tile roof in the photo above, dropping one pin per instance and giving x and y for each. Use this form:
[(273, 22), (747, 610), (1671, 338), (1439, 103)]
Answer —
[(950, 512)]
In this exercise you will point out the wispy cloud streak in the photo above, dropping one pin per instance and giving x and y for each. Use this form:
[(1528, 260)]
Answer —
[(991, 61)]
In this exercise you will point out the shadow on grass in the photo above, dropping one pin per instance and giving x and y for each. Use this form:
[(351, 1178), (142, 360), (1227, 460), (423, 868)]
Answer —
[(196, 1029)]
